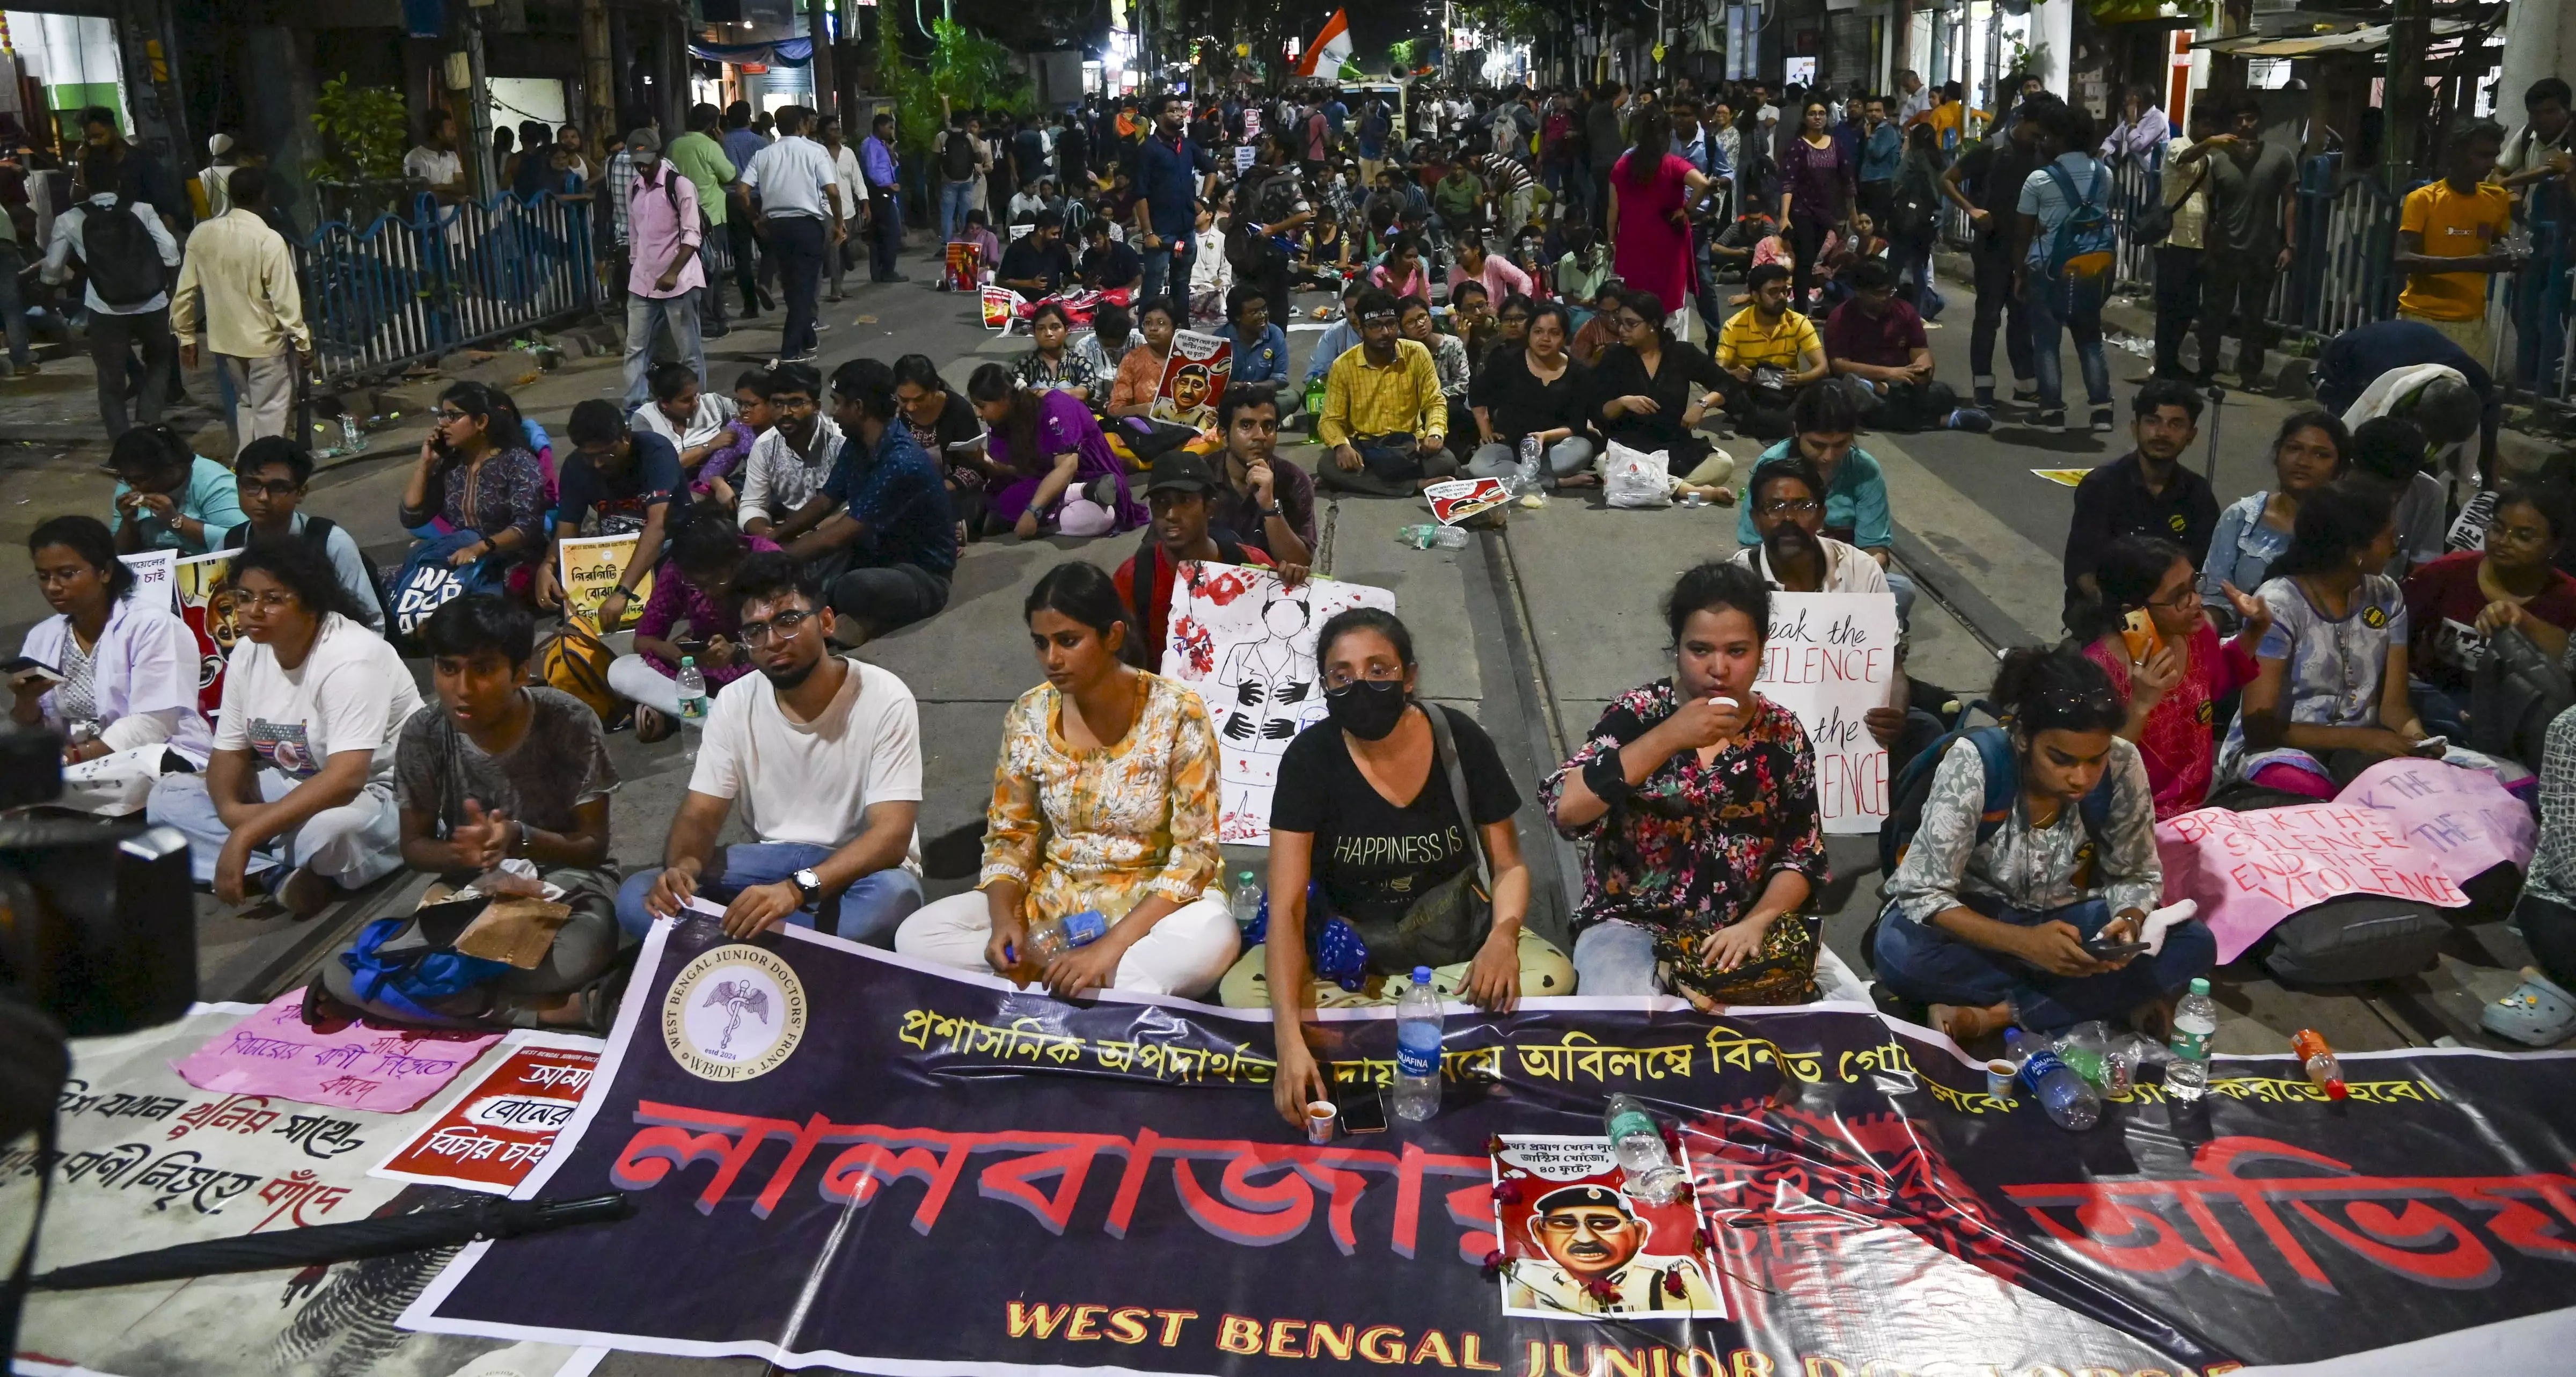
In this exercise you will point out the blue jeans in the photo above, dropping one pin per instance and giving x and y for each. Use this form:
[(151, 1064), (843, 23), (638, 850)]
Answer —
[(1924, 963), (1903, 588), (867, 912), (955, 199), (1614, 957), (647, 316), (1163, 266), (2062, 305)]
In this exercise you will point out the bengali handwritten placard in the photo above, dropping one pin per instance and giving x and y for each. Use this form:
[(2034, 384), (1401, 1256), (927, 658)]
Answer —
[(496, 1132), (1830, 658), (353, 1066), (2406, 829), (589, 569), (155, 577)]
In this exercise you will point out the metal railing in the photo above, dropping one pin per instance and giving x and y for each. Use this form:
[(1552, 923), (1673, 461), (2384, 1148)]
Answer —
[(409, 288)]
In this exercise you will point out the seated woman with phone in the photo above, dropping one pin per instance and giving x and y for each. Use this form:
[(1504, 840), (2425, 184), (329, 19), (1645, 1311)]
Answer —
[(114, 674), (2041, 918), (690, 590), (2328, 699), (2151, 635)]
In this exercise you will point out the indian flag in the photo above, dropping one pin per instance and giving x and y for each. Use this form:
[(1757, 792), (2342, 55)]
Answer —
[(1330, 49)]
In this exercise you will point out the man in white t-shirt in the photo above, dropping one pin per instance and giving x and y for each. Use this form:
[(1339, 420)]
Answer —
[(825, 754), (299, 788), (435, 161), (789, 462)]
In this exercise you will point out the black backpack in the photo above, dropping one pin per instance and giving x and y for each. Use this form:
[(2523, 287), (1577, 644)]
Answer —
[(117, 248), (957, 156), (1917, 207), (2515, 694), (1905, 798)]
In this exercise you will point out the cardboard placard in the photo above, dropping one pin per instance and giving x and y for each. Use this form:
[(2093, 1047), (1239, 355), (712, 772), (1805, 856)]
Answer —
[(1829, 659), (204, 587), (1461, 498), (502, 1125), (155, 576), (589, 569)]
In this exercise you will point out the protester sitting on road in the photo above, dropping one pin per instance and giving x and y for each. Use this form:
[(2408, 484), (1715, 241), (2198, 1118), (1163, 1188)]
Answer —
[(1104, 812), (618, 480), (693, 587), (1266, 504), (791, 460), (2513, 584), (1385, 422), (2309, 452), (1402, 273), (1601, 330), (1340, 337), (824, 752), (2388, 453), (1498, 275), (1448, 360), (270, 474), (1260, 346), (1582, 269), (499, 770), (1698, 798), (701, 426), (880, 534), (2329, 693), (298, 790), (166, 497), (1104, 350), (1037, 264), (1140, 373), (1054, 365), (2175, 678), (1877, 349), (1511, 331), (122, 686), (1988, 928), (1108, 265), (2146, 492), (1651, 390), (2541, 1011), (1368, 828), (1059, 475), (1182, 492), (475, 473), (1824, 424), (1772, 354), (1535, 391)]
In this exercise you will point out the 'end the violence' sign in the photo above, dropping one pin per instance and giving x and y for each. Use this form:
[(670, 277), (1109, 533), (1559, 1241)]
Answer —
[(1829, 659)]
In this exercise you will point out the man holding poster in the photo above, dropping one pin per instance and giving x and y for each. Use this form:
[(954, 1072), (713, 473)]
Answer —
[(625, 480)]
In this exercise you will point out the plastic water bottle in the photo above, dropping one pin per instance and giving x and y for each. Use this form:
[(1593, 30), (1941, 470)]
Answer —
[(2318, 1060), (1417, 1050), (1638, 1142), (1050, 938), (2195, 1020), (693, 706), (2070, 1102), (1525, 477), (1245, 901), (1428, 537)]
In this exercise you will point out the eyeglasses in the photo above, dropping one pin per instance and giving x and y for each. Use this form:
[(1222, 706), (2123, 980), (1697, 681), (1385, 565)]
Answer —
[(2519, 535), (1797, 506), (784, 625), (275, 487), (1629, 322), (1336, 680), (2188, 597), (783, 402), (277, 600), (448, 415)]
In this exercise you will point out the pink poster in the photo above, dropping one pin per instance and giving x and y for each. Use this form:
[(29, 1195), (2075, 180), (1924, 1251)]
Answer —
[(351, 1066), (2407, 829)]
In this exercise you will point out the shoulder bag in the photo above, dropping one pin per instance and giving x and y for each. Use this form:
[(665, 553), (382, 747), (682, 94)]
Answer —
[(1451, 920)]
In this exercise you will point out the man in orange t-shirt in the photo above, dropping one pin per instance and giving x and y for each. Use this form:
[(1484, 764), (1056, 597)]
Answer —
[(2447, 235)]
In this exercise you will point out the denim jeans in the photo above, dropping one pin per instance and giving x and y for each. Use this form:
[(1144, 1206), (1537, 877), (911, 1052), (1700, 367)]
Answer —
[(1924, 963), (955, 199), (2068, 305), (1614, 957), (1167, 270), (647, 316), (867, 912)]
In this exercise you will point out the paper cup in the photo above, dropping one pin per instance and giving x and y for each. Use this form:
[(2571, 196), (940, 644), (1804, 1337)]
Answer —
[(1319, 1121), (1999, 1079)]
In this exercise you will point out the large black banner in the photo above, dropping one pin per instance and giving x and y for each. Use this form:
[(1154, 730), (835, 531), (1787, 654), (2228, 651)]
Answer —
[(845, 1159)]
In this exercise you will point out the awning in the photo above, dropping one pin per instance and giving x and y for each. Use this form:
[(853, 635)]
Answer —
[(785, 52), (2369, 39)]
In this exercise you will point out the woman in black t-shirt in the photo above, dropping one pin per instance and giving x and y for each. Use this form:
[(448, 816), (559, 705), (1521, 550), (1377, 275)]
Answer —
[(1535, 388), (1403, 876)]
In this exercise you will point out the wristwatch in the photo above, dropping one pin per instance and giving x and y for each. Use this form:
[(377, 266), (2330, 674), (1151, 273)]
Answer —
[(809, 888), (1271, 510)]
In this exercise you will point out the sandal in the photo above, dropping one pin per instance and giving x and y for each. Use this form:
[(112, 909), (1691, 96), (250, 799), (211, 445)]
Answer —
[(2538, 1013), (652, 724)]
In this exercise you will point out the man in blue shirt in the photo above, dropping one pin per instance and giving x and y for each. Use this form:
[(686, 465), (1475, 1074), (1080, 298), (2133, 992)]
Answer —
[(1172, 173), (1260, 348), (885, 558), (1882, 147)]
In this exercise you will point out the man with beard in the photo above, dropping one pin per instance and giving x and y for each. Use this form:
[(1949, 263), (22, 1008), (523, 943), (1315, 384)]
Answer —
[(1270, 506), (2144, 492), (1590, 1235), (1786, 498), (824, 751), (791, 459), (1180, 491), (879, 532)]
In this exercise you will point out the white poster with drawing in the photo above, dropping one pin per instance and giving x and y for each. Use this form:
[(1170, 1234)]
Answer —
[(1246, 643), (1830, 658)]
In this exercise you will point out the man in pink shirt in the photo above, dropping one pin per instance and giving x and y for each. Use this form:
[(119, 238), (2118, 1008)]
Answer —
[(662, 285)]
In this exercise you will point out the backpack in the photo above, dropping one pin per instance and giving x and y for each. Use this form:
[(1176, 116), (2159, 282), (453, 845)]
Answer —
[(407, 980), (957, 156), (124, 263), (2082, 245), (1916, 210), (2513, 697), (427, 583), (576, 662), (1247, 251), (1906, 796), (317, 533)]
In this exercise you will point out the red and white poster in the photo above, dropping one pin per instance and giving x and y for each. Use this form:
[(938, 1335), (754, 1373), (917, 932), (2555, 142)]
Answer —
[(1461, 498), (204, 584), (1001, 307), (501, 1126), (1577, 1246), (965, 266), (1193, 379)]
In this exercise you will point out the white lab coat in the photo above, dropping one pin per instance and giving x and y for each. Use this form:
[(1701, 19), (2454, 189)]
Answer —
[(144, 679)]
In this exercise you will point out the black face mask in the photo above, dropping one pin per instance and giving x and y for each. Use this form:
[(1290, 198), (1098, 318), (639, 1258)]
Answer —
[(1367, 708)]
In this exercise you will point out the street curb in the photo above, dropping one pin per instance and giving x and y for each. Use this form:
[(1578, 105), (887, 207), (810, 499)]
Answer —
[(1993, 627)]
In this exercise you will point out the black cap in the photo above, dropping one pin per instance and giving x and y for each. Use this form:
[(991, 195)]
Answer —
[(1570, 1197), (1180, 471)]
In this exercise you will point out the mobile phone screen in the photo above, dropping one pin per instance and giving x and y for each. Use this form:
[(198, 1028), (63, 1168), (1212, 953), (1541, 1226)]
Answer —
[(1365, 1113)]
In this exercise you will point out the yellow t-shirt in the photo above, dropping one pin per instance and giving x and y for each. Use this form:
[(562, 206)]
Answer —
[(1744, 343), (2452, 226)]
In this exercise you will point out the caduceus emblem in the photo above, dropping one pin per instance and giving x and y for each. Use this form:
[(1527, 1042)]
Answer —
[(738, 997)]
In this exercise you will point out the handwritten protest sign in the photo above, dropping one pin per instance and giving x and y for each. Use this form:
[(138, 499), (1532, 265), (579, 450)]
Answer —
[(1829, 659), (274, 1053), (2406, 829), (589, 570), (1246, 643), (204, 585), (155, 577), (1193, 378), (502, 1124)]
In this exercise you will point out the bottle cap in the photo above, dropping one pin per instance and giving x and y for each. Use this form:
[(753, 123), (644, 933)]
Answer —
[(688, 662), (1421, 977), (2335, 1089), (2199, 986)]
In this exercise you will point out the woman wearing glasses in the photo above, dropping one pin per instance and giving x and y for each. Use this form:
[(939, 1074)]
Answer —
[(1651, 391), (1400, 814), (2173, 679), (120, 674), (476, 474)]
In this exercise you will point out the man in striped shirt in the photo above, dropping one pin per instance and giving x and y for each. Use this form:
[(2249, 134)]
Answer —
[(1511, 187)]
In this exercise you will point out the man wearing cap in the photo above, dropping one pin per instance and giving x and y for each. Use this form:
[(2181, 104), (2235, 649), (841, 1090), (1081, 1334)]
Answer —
[(663, 275), (1178, 490), (1385, 420), (1590, 1236)]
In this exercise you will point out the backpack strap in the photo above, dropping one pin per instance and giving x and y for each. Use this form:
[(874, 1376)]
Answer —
[(2002, 775), (1445, 746)]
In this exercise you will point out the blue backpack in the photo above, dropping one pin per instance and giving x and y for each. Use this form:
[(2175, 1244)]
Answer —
[(2083, 244), (427, 583), (2003, 782), (406, 980)]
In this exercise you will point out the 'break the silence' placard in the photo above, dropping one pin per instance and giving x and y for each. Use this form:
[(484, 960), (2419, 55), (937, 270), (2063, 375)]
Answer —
[(1829, 659)]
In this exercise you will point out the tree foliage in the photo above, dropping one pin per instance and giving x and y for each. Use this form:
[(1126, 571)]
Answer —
[(363, 129), (965, 71)]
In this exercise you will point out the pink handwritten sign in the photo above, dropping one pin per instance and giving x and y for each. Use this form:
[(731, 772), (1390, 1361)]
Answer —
[(348, 1066), (2406, 829)]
